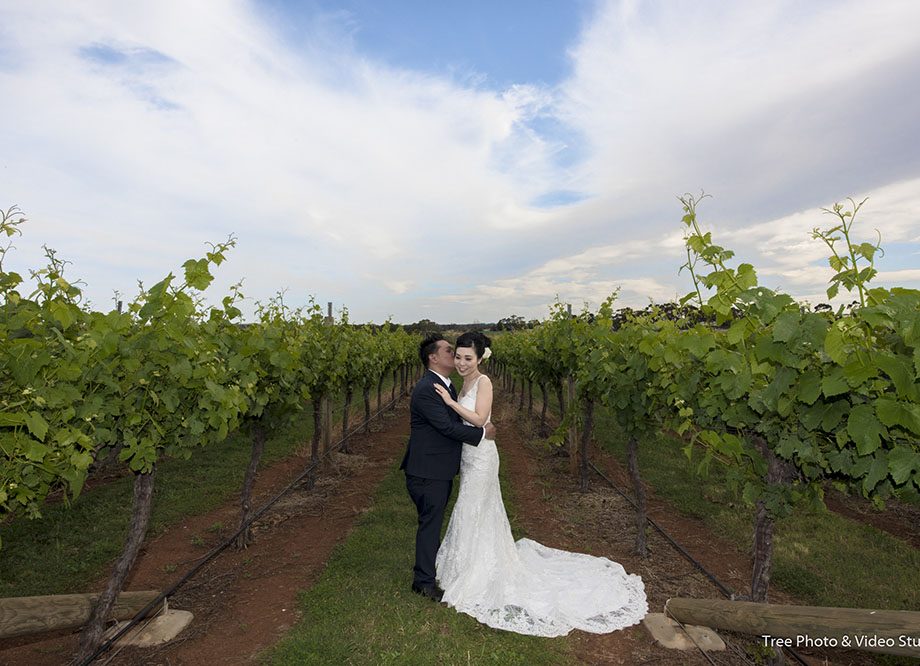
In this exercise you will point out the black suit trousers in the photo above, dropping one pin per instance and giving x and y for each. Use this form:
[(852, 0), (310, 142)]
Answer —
[(430, 497)]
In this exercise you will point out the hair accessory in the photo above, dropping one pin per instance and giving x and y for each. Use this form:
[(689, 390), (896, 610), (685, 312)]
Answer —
[(486, 353)]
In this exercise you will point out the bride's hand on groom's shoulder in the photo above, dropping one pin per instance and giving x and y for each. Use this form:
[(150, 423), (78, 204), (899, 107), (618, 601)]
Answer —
[(444, 393)]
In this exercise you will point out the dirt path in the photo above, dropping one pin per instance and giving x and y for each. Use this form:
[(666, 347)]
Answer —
[(246, 601)]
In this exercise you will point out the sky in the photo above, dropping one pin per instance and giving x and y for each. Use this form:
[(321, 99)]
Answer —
[(456, 161)]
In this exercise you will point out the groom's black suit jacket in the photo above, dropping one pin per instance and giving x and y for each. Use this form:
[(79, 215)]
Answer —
[(437, 433)]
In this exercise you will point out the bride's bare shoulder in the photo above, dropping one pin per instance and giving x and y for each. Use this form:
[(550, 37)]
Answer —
[(485, 380)]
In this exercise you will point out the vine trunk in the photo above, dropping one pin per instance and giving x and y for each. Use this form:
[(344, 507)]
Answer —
[(91, 637)]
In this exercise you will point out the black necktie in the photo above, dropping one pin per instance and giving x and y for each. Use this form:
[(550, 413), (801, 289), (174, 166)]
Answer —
[(453, 393)]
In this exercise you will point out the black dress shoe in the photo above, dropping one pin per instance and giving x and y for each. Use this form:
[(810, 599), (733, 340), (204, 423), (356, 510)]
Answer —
[(432, 592)]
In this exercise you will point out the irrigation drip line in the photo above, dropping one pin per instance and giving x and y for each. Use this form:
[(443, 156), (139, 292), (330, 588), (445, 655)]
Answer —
[(217, 550), (680, 549), (722, 588), (697, 645)]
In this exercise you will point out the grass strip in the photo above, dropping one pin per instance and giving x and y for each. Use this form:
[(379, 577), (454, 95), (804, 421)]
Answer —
[(71, 546), (821, 557), (361, 610)]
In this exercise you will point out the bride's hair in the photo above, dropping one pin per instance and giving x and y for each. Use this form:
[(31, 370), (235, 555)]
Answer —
[(474, 339)]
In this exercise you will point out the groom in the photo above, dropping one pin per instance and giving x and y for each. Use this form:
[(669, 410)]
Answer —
[(432, 459)]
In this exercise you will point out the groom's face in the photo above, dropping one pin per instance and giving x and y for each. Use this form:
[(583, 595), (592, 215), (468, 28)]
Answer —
[(444, 358)]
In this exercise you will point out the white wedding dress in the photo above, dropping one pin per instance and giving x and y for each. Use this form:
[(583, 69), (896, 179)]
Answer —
[(524, 587)]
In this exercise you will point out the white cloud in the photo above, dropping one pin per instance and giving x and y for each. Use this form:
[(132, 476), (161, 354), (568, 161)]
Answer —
[(398, 286), (899, 277), (786, 255), (660, 87)]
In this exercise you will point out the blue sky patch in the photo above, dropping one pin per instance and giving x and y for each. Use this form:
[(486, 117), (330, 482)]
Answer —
[(105, 54), (503, 42), (558, 198)]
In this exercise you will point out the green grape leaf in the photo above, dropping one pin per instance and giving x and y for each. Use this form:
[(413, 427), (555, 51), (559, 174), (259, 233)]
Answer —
[(858, 373), (75, 479), (878, 470), (865, 429), (62, 313), (737, 331), (12, 419), (809, 387), (895, 413), (903, 462), (788, 446), (37, 425), (751, 493), (785, 326), (834, 383), (900, 372), (782, 382), (833, 414), (835, 345), (197, 274), (747, 276), (35, 451)]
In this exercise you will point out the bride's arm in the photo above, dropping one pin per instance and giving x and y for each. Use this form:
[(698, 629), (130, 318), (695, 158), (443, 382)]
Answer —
[(483, 402)]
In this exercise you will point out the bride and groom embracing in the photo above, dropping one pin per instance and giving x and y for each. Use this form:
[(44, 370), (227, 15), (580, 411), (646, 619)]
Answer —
[(523, 587)]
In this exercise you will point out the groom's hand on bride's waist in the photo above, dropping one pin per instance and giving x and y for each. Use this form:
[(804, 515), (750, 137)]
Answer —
[(489, 430)]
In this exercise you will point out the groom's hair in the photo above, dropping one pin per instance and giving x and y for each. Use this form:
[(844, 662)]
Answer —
[(429, 346)]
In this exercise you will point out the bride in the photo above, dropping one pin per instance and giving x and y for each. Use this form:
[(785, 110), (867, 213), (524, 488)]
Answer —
[(523, 587)]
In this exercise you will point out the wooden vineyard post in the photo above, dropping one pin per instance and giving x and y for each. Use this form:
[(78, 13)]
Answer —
[(327, 402), (20, 616), (366, 392), (573, 428), (543, 409), (327, 423), (349, 394), (310, 481), (884, 631), (583, 444), (632, 453)]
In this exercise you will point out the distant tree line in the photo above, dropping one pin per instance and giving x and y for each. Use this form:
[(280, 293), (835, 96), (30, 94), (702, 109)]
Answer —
[(687, 314), (511, 323)]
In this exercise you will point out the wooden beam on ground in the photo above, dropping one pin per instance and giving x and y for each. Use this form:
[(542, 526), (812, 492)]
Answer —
[(30, 615), (885, 631)]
